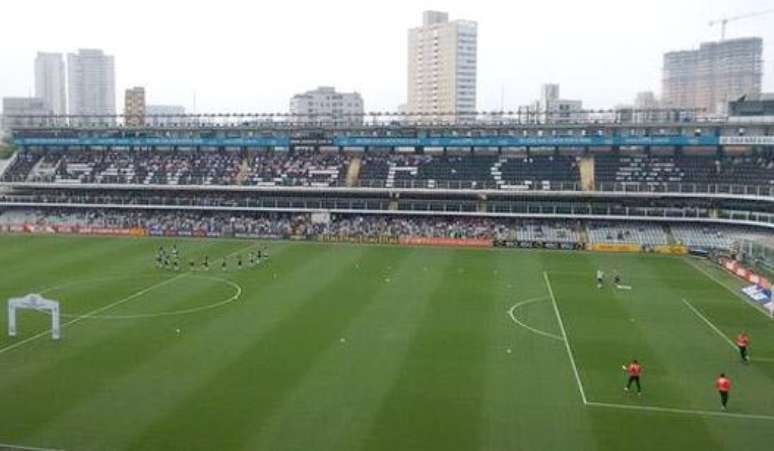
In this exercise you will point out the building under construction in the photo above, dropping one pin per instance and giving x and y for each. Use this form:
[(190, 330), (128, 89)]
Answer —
[(713, 75)]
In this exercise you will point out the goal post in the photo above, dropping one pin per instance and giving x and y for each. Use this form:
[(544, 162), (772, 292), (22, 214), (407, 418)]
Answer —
[(36, 302)]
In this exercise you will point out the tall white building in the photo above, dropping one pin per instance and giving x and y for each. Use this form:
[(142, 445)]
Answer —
[(50, 81), (442, 65), (91, 85), (326, 105)]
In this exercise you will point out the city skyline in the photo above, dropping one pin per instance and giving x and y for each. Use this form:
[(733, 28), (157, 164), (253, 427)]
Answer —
[(515, 58)]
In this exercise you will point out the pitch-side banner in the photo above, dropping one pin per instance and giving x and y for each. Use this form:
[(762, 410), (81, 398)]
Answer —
[(450, 242), (71, 229), (672, 249), (615, 247), (736, 268)]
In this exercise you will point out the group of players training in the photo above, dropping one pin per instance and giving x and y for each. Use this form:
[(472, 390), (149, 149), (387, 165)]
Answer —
[(170, 260), (634, 368)]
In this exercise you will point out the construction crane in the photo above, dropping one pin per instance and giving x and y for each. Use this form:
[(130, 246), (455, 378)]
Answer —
[(724, 21)]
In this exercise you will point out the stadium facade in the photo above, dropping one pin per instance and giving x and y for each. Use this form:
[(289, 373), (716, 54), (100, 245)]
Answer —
[(562, 185)]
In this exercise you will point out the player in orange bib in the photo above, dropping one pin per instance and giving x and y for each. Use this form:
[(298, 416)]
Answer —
[(723, 385), (633, 370), (742, 341)]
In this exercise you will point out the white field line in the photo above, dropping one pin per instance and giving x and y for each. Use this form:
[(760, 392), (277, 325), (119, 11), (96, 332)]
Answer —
[(28, 448), (106, 307), (709, 323), (528, 327), (730, 289), (709, 413), (93, 312), (237, 293), (566, 341), (718, 331)]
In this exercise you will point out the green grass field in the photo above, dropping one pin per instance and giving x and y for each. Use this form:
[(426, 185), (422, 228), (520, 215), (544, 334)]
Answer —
[(344, 347)]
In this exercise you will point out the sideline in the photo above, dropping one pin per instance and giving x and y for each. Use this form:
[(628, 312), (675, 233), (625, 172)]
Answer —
[(746, 416), (720, 332), (736, 294)]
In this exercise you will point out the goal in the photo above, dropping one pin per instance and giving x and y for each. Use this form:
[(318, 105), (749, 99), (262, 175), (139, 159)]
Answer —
[(36, 302)]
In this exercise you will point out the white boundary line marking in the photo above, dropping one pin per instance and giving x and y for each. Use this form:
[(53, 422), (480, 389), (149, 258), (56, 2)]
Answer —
[(566, 341), (28, 448), (237, 293), (107, 307), (720, 332), (587, 403), (93, 312), (528, 327), (709, 323), (747, 416), (733, 291)]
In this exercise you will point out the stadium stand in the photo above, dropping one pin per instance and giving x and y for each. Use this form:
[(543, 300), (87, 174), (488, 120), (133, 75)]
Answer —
[(548, 231), (300, 225), (713, 237), (627, 233), (706, 170), (296, 169), (534, 172), (390, 170), (469, 171), (179, 168)]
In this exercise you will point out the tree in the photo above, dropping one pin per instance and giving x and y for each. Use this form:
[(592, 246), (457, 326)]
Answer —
[(7, 147)]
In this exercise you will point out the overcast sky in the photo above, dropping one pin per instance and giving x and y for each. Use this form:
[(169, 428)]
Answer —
[(251, 56)]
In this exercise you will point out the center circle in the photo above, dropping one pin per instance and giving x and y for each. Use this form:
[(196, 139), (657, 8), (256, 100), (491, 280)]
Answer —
[(145, 290)]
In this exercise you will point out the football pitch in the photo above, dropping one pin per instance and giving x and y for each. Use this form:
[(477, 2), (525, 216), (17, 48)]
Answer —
[(349, 347)]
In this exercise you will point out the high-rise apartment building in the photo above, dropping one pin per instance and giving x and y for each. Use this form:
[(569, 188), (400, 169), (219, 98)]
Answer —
[(50, 81), (442, 65), (91, 84), (713, 75), (326, 105), (134, 106)]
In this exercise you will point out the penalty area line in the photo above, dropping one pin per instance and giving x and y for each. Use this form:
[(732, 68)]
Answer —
[(706, 413), (527, 326), (566, 340)]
